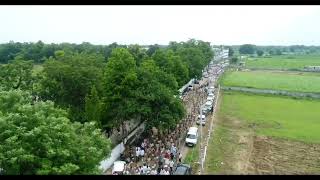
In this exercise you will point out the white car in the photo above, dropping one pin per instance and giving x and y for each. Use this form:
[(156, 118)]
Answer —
[(211, 95), (192, 136), (118, 167), (201, 120), (211, 98)]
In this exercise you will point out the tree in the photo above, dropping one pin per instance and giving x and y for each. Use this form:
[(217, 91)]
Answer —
[(260, 52), (17, 75), (171, 63), (120, 81), (247, 49), (278, 52), (231, 52), (157, 104), (152, 49), (138, 53), (69, 78), (40, 139), (194, 60), (234, 60), (93, 107)]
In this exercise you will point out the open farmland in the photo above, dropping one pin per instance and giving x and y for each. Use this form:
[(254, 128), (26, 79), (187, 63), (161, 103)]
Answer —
[(257, 134), (289, 81), (284, 62)]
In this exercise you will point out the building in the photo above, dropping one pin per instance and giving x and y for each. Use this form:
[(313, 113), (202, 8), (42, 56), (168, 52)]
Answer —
[(312, 68)]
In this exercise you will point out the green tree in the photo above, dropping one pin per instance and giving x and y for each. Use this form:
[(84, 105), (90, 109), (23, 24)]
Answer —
[(278, 52), (17, 74), (39, 139), (231, 51), (120, 81), (152, 49), (93, 107), (157, 104), (260, 52), (247, 49), (234, 60), (138, 53), (68, 79)]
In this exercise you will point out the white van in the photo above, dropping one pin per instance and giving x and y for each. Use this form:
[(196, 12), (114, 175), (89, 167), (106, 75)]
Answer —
[(192, 136)]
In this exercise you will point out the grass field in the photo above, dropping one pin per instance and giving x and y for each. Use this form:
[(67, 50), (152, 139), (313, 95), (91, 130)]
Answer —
[(258, 134), (276, 116), (284, 62), (289, 81)]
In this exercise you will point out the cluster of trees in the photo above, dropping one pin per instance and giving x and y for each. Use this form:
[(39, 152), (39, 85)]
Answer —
[(51, 121), (39, 52), (251, 49)]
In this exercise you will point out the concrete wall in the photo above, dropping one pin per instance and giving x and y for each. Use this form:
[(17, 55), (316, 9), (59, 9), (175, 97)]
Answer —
[(115, 154)]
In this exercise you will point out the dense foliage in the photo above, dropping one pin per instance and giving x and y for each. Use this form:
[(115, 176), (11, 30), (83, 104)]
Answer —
[(37, 138), (56, 99)]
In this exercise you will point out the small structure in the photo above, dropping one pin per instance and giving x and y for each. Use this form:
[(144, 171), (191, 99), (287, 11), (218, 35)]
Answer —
[(312, 68)]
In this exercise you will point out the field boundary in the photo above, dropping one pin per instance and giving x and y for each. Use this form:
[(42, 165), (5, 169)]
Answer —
[(273, 92), (210, 129)]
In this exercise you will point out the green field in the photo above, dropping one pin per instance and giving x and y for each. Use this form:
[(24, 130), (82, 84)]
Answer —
[(289, 127), (284, 62), (275, 115), (289, 81)]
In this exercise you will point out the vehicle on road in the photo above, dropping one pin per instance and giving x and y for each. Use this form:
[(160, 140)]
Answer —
[(210, 98), (208, 107), (183, 169), (192, 136), (118, 167), (201, 120)]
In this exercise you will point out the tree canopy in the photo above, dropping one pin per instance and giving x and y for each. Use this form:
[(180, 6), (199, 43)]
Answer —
[(247, 49), (37, 138)]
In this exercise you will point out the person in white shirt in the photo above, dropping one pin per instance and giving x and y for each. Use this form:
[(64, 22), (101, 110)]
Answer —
[(171, 164), (162, 172), (166, 172), (144, 169), (142, 152), (137, 154), (180, 157), (153, 172)]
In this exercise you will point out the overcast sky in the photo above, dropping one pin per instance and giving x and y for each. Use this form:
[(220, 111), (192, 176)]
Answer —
[(228, 25)]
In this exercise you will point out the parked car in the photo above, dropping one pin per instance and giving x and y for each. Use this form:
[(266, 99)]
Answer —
[(118, 167), (183, 169), (201, 120), (211, 95), (210, 98), (192, 136), (208, 107)]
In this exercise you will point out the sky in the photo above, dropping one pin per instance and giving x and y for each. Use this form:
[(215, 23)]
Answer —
[(219, 25)]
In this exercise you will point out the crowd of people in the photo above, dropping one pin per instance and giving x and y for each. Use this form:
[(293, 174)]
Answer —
[(159, 154)]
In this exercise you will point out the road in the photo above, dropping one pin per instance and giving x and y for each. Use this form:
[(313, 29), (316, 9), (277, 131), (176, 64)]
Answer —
[(199, 97)]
